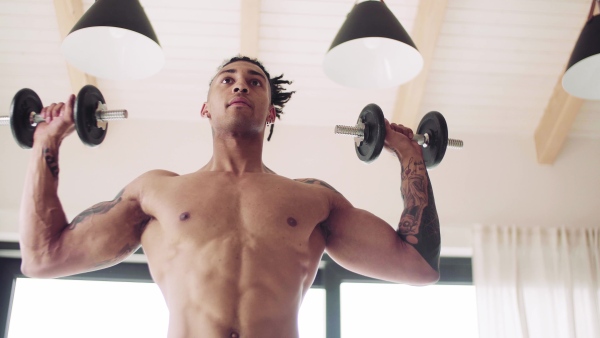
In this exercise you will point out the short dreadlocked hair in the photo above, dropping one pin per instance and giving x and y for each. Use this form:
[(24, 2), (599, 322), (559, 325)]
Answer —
[(279, 97)]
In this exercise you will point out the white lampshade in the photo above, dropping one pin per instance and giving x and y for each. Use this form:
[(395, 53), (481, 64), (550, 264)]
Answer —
[(114, 40), (372, 50), (582, 78)]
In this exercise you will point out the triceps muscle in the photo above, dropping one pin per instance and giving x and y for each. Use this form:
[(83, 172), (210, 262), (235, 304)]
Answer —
[(419, 224), (121, 232)]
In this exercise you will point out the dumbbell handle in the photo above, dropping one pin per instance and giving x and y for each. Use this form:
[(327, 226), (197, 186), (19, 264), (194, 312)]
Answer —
[(101, 115), (359, 131)]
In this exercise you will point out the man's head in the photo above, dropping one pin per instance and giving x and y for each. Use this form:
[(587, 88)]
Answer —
[(242, 76)]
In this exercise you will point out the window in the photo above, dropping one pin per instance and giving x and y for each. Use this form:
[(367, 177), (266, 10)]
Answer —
[(98, 309), (77, 308), (392, 310), (339, 301)]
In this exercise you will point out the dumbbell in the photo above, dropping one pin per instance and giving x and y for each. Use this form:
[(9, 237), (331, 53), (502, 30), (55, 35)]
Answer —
[(369, 133), (90, 115)]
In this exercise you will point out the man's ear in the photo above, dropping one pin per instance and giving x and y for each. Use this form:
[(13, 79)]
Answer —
[(272, 114), (204, 112)]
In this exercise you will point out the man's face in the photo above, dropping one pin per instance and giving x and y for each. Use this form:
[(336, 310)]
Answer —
[(239, 99)]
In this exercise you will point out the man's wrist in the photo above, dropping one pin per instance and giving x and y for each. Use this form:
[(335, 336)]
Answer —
[(46, 141), (405, 156)]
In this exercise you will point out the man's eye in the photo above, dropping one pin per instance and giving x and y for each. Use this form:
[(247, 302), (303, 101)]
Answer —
[(255, 83), (227, 80)]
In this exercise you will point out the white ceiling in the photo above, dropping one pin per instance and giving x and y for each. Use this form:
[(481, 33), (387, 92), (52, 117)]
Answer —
[(494, 68)]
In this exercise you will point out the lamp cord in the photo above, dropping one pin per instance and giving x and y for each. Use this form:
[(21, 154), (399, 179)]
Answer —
[(591, 15)]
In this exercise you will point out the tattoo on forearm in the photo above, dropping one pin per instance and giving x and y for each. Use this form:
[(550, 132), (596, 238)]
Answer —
[(51, 162), (317, 182), (419, 224), (100, 208)]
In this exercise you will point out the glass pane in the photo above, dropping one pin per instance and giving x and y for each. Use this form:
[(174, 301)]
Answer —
[(311, 319), (393, 310), (74, 308)]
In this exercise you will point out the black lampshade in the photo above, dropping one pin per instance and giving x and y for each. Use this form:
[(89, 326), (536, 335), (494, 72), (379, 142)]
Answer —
[(372, 50), (114, 39), (582, 78)]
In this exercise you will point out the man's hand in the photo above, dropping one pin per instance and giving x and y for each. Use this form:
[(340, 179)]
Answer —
[(398, 140), (59, 121)]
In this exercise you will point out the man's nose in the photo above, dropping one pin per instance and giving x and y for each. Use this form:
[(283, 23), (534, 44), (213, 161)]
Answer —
[(242, 89)]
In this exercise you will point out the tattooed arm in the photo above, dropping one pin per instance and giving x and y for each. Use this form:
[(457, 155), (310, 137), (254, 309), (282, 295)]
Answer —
[(100, 236), (419, 224), (364, 243)]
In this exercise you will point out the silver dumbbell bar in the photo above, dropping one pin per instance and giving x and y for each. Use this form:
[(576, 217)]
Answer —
[(102, 115), (358, 132)]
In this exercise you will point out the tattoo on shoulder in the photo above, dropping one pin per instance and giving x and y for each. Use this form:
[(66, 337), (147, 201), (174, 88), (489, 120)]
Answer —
[(317, 182), (100, 208)]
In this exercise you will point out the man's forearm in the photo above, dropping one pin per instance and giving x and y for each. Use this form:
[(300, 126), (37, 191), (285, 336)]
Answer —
[(419, 224), (42, 218)]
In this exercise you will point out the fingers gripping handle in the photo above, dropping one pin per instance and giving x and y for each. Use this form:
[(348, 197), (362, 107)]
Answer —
[(423, 140), (432, 134), (90, 115)]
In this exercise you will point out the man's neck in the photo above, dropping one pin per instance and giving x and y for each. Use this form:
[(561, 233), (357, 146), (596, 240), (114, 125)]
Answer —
[(237, 154)]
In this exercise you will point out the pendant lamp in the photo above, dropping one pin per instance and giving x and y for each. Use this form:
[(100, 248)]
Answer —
[(582, 78), (114, 40), (372, 50)]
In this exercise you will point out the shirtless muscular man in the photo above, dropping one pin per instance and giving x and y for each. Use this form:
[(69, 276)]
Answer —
[(233, 246)]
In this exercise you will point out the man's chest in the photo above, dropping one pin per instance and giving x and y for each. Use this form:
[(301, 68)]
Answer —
[(258, 208)]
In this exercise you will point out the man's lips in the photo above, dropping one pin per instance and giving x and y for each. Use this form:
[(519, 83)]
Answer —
[(239, 100)]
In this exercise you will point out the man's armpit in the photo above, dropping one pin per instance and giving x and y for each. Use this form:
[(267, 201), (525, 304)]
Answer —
[(325, 230)]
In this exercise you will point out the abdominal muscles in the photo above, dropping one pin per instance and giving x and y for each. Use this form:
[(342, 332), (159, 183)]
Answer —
[(232, 285)]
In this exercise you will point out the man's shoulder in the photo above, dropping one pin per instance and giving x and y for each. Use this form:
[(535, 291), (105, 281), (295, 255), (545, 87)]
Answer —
[(159, 173), (317, 182), (150, 177)]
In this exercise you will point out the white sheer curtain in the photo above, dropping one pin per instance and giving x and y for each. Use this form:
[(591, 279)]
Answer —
[(537, 282)]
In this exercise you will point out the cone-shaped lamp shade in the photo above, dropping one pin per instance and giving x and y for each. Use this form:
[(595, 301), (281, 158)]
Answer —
[(114, 40), (582, 78), (372, 50)]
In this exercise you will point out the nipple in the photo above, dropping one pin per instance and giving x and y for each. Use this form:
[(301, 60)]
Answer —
[(184, 216), (292, 222)]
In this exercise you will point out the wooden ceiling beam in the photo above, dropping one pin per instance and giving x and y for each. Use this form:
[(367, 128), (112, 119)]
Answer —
[(68, 13), (249, 27), (555, 124), (425, 33)]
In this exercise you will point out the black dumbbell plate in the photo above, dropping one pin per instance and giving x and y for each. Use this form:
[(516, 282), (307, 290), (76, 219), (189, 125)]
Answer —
[(374, 122), (434, 124), (85, 116), (23, 103)]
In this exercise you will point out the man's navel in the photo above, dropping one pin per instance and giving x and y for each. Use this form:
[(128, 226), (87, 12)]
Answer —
[(234, 334)]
